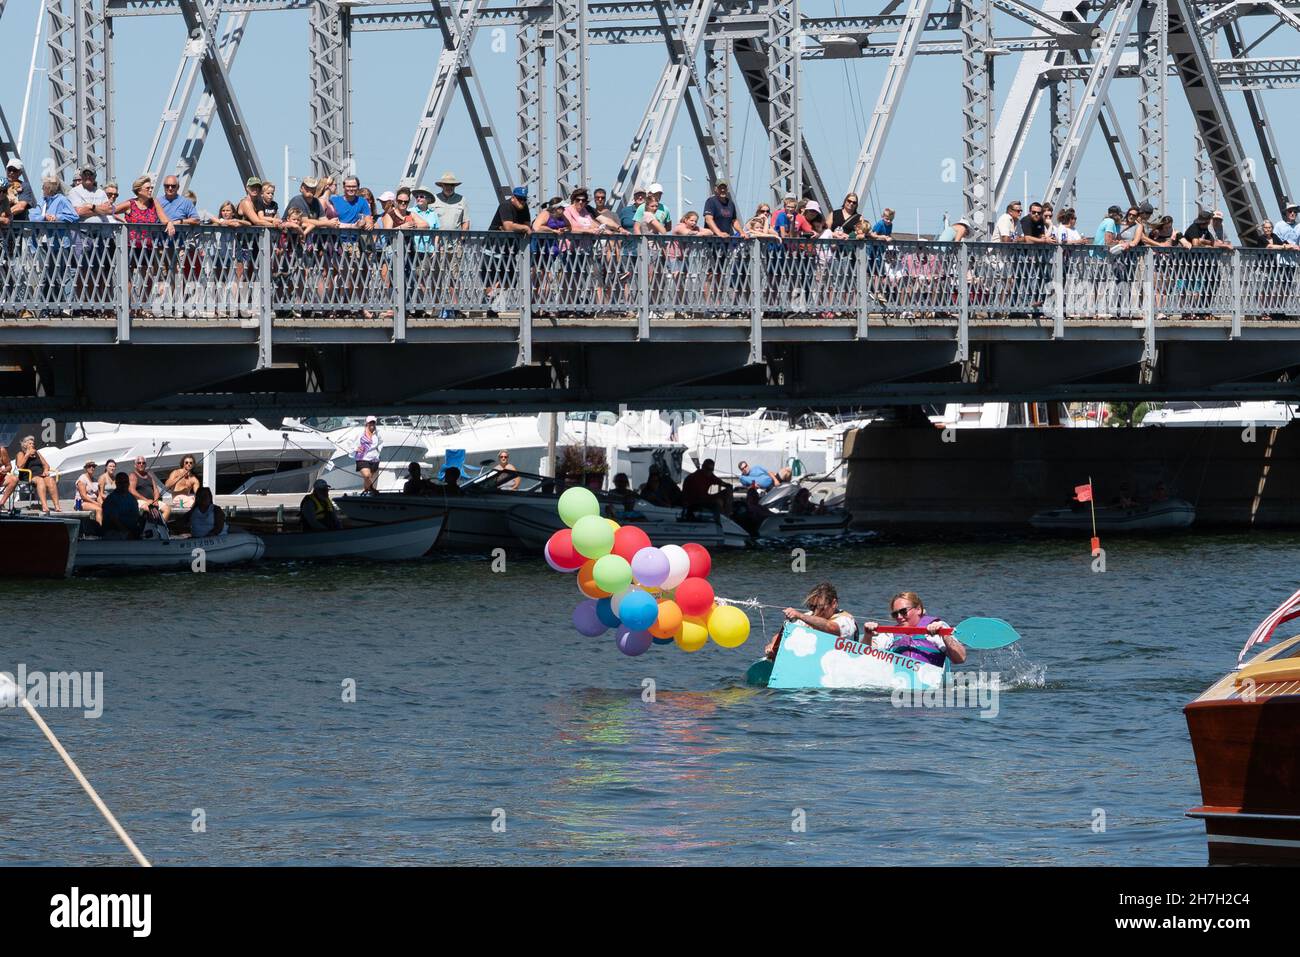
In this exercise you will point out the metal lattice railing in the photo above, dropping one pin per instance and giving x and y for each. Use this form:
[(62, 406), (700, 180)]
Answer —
[(241, 276)]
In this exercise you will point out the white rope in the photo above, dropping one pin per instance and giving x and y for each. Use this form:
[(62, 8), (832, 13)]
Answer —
[(6, 683)]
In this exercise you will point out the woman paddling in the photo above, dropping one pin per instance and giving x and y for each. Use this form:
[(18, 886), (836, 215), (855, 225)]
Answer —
[(823, 614), (906, 608)]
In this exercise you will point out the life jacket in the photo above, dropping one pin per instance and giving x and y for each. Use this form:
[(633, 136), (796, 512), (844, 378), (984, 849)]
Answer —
[(921, 647), (323, 510)]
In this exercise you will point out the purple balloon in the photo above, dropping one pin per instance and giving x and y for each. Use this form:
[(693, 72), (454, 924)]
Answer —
[(546, 553), (633, 643), (587, 621), (650, 567)]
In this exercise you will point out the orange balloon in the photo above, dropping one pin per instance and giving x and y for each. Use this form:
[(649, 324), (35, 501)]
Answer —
[(670, 619), (587, 582)]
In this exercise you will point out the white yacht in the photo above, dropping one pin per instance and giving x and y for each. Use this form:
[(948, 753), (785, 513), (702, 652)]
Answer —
[(244, 458), (1227, 414)]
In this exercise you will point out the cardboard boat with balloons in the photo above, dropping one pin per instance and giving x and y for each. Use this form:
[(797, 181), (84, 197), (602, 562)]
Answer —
[(649, 595)]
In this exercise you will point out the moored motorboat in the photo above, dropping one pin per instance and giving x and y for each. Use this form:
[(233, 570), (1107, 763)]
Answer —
[(533, 524), (37, 546), (1167, 515), (230, 548), (396, 541), (1245, 732)]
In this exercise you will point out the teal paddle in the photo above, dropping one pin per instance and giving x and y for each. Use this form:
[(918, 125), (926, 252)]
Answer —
[(984, 634)]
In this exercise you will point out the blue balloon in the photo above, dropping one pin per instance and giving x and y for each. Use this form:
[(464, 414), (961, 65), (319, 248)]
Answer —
[(606, 614), (639, 611), (586, 619), (633, 643)]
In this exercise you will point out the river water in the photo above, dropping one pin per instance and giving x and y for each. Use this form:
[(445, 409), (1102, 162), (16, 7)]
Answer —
[(225, 739)]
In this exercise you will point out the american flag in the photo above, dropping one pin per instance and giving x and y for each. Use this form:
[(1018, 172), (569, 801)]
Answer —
[(1284, 612)]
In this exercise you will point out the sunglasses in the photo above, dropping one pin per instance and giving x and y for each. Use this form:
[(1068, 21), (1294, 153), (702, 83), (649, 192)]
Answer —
[(900, 612), (403, 202), (850, 202)]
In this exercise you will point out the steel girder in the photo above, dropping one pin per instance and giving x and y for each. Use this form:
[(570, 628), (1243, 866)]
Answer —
[(873, 144), (79, 45), (977, 115), (1263, 128), (1153, 58), (570, 51), (1213, 120), (530, 64), (329, 35)]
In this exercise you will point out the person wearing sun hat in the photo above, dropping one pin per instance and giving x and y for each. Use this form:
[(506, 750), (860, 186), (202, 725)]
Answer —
[(452, 210)]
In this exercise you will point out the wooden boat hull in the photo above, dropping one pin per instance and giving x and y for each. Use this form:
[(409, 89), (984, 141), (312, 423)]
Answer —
[(396, 541), (232, 548), (37, 547), (1167, 516), (473, 522), (1246, 738), (814, 659)]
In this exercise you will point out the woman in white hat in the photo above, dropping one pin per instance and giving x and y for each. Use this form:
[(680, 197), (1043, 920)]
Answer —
[(369, 446)]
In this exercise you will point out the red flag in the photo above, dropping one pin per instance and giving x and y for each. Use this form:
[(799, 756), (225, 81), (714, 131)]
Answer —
[(1083, 493)]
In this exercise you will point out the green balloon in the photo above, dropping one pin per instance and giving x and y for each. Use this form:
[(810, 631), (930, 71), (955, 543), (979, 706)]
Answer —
[(592, 535), (577, 502), (612, 573)]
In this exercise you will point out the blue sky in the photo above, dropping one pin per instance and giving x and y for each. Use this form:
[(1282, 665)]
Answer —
[(392, 72)]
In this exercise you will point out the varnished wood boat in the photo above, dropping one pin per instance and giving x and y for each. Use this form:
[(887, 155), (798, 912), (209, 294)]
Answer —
[(1245, 733)]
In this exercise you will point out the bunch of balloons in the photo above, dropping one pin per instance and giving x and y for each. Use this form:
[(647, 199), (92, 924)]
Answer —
[(648, 595)]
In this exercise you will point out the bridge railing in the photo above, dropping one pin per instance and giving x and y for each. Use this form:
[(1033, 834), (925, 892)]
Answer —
[(87, 273)]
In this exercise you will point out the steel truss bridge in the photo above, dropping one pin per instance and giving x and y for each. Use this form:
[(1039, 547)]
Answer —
[(214, 322), (1066, 59)]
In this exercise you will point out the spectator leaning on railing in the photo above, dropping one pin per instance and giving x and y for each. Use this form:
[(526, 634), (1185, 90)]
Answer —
[(20, 195)]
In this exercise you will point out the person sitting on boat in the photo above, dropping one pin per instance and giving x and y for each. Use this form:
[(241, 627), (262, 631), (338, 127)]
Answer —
[(625, 497), (757, 477), (653, 490), (183, 481), (416, 483), (907, 609), (316, 512), (1161, 494), (697, 490), (803, 503), (146, 490), (88, 491), (108, 481), (31, 461), (120, 516), (823, 614), (451, 481), (504, 482), (1125, 497), (8, 477), (206, 517)]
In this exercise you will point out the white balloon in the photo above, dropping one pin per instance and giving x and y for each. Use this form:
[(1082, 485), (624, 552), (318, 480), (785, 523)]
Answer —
[(679, 565)]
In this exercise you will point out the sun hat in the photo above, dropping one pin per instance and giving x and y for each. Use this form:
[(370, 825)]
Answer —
[(448, 179)]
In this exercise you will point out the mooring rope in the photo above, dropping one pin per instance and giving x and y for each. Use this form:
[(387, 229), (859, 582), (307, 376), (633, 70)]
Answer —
[(5, 684)]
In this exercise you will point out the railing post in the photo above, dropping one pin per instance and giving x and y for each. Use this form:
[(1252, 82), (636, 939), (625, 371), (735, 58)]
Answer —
[(863, 285), (1149, 306), (963, 302), (399, 288), (1058, 293), (755, 301), (1238, 307), (524, 279), (123, 266), (643, 287), (266, 306)]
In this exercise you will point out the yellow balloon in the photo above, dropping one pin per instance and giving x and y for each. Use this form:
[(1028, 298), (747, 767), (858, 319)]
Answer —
[(728, 626), (613, 524), (692, 635)]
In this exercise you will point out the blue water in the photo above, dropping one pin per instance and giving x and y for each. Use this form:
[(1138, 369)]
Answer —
[(224, 692)]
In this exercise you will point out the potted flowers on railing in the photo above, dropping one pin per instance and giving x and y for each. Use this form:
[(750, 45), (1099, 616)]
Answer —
[(581, 465)]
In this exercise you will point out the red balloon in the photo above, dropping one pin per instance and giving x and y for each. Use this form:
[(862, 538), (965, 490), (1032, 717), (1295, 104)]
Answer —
[(694, 596), (560, 546), (701, 563), (629, 540)]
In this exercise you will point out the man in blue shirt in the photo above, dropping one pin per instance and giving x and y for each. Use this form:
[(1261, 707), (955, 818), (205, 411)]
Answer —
[(720, 212), (627, 215), (1287, 231), (352, 208), (178, 208), (759, 478)]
